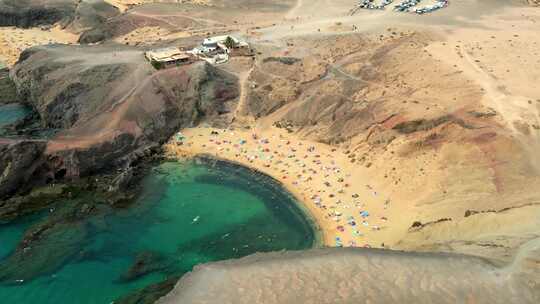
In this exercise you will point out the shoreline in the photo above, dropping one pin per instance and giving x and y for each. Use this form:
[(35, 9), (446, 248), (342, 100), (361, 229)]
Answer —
[(328, 191), (318, 233), (320, 239)]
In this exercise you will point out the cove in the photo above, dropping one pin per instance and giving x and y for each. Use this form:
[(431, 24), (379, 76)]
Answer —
[(187, 214)]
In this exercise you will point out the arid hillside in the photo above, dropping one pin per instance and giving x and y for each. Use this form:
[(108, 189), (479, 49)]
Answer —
[(418, 127)]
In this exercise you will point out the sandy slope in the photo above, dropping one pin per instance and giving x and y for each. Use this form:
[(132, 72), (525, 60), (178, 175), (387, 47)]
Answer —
[(124, 5), (14, 40), (360, 276)]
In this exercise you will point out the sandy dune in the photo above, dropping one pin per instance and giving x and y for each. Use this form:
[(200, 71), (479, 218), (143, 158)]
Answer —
[(360, 276)]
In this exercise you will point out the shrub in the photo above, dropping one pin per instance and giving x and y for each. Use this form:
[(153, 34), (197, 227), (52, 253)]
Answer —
[(157, 65)]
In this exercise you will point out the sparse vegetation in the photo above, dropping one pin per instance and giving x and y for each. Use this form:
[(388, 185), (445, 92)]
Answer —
[(487, 114), (229, 43), (284, 60), (157, 65), (417, 125)]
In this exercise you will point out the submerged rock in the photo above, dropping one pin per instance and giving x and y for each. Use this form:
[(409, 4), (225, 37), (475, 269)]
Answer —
[(38, 199), (59, 237), (149, 294), (43, 250), (144, 263)]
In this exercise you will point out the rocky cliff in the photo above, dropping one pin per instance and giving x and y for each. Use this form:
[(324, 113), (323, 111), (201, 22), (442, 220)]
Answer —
[(405, 118), (107, 115), (75, 14), (8, 91), (18, 163)]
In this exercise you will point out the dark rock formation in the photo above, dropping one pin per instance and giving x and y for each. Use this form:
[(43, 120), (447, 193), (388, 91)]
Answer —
[(19, 161), (27, 13), (111, 107), (75, 211), (90, 14), (144, 263), (95, 35), (36, 200), (8, 91), (43, 250), (78, 15), (149, 294)]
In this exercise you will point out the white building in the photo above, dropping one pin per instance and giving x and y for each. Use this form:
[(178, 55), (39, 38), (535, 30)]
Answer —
[(212, 43)]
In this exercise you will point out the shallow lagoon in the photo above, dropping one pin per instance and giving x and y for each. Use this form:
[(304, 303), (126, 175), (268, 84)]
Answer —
[(187, 214)]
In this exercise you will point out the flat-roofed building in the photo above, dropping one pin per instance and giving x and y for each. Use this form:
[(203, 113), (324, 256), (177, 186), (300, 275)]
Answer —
[(171, 55)]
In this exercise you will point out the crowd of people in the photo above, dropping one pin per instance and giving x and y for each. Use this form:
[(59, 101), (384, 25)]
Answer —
[(312, 172)]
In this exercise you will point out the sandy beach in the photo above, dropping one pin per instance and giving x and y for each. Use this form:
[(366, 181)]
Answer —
[(345, 204)]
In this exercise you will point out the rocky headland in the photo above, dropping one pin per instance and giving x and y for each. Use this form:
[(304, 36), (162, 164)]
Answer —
[(103, 117)]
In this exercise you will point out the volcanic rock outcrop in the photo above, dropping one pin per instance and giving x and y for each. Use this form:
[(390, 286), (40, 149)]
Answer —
[(8, 91), (107, 115), (75, 14), (18, 161)]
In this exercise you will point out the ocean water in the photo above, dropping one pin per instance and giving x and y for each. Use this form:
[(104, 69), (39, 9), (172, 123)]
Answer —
[(188, 213), (11, 113)]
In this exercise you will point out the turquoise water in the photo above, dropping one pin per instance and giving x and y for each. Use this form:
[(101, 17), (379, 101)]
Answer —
[(187, 214), (11, 113)]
